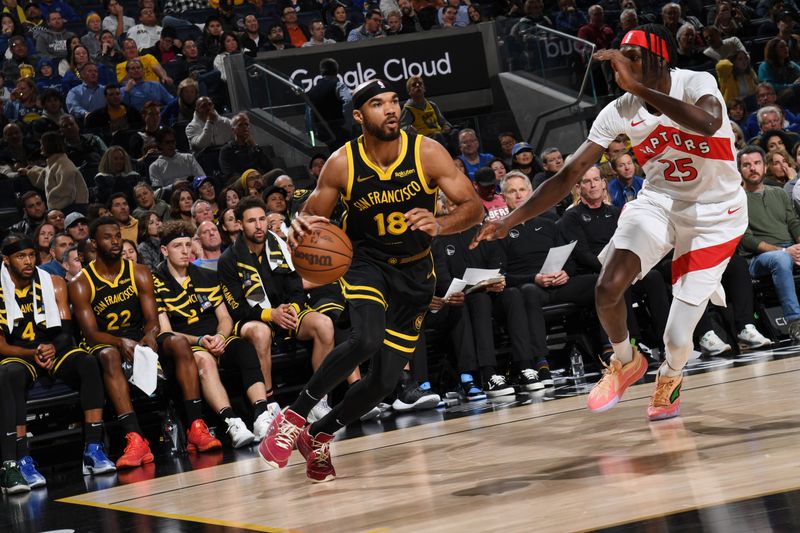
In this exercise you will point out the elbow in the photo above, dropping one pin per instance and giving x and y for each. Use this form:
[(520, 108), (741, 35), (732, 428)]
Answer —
[(477, 213)]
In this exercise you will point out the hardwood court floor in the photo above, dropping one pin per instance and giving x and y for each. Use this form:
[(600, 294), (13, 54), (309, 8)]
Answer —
[(549, 466)]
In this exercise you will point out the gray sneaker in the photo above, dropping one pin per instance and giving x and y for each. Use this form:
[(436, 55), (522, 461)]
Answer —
[(794, 330)]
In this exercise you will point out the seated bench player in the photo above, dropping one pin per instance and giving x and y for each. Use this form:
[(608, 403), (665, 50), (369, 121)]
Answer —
[(36, 342), (116, 309), (190, 305)]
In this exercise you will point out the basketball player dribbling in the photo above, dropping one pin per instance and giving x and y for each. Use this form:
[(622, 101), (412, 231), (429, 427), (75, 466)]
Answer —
[(388, 181), (692, 202)]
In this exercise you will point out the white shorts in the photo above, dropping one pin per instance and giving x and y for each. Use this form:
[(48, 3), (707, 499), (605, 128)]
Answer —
[(704, 237)]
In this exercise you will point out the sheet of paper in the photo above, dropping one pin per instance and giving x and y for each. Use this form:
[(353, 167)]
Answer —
[(145, 369), (457, 285), (473, 276), (557, 258)]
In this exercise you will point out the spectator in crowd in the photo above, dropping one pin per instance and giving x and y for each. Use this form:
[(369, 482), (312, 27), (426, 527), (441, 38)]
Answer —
[(82, 148), (60, 243), (772, 235), (137, 91), (332, 98), (91, 40), (474, 14), (371, 29), (772, 140), (164, 50), (241, 153), (52, 42), (569, 18), (409, 19), (771, 119), (499, 168), (628, 20), (24, 105), (78, 58), (203, 188), (524, 160), (507, 140), (627, 185), (115, 174), (42, 236), (210, 240), (182, 108), (151, 69), (229, 227), (146, 201), (230, 45), (295, 33), (77, 226), (181, 204), (779, 70), (253, 40), (766, 96), (20, 64), (460, 18), (119, 209), (34, 22), (523, 30), (56, 218), (200, 67), (115, 115), (719, 48), (423, 116), (88, 96), (275, 200), (208, 129), (110, 53), (147, 32), (116, 22), (149, 247), (52, 111), (339, 26), (211, 41), (276, 39), (316, 35), (61, 181), (737, 79), (486, 185), (596, 30), (16, 151), (471, 155), (33, 213), (63, 8), (448, 19), (228, 198), (690, 56), (171, 165), (786, 32), (46, 75), (552, 162), (672, 18), (394, 24), (71, 263), (780, 169)]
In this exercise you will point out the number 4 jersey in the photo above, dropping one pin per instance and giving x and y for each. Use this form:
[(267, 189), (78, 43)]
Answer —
[(679, 163)]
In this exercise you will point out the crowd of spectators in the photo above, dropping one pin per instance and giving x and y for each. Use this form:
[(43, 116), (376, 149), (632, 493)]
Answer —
[(126, 117)]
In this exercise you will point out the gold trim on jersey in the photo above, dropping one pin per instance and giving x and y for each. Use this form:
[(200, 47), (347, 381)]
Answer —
[(112, 284), (27, 364), (421, 173), (362, 292), (384, 175), (64, 358), (413, 338), (397, 347), (350, 172)]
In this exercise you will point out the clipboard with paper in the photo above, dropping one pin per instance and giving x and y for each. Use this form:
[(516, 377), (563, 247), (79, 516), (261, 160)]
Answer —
[(557, 258), (474, 279)]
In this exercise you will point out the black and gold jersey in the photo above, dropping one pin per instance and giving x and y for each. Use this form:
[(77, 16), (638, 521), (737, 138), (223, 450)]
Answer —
[(116, 303), (27, 333), (190, 305), (376, 200)]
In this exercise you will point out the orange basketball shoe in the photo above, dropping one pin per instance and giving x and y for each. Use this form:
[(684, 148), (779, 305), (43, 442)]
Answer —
[(200, 438), (616, 379), (666, 400), (317, 453), (137, 452)]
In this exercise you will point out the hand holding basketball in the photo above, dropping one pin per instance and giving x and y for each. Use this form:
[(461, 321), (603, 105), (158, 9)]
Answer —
[(322, 252), (300, 226)]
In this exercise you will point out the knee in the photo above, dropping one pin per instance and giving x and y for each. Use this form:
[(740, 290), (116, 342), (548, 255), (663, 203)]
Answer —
[(15, 373), (676, 339), (323, 330), (366, 341), (258, 333), (609, 291), (782, 262), (205, 363), (87, 366), (179, 349), (110, 359)]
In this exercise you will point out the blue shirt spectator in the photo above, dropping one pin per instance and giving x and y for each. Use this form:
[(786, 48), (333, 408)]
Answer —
[(48, 6), (137, 91), (88, 96), (620, 193)]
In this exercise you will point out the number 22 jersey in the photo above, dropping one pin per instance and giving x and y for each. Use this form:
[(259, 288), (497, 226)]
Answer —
[(678, 162)]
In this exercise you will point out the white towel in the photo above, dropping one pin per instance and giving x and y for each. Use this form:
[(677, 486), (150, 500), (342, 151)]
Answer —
[(274, 263), (50, 317)]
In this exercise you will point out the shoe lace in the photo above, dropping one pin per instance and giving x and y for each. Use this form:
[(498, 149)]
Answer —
[(530, 373), (497, 380), (287, 435), (661, 394), (609, 370), (322, 452)]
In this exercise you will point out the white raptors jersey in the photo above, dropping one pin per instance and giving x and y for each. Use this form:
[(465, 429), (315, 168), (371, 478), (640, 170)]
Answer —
[(677, 162)]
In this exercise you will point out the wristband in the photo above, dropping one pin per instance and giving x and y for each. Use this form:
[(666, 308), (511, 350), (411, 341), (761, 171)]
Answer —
[(266, 315), (200, 341)]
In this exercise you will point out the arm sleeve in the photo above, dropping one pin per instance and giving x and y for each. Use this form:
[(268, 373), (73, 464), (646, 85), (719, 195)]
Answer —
[(701, 84), (791, 217), (232, 292), (156, 177), (73, 104), (198, 170)]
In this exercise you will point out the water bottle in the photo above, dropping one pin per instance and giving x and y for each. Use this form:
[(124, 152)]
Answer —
[(576, 362)]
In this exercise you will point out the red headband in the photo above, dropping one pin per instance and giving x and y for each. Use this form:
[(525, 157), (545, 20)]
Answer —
[(656, 45)]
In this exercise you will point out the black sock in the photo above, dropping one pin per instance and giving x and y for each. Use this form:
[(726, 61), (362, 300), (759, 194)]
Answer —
[(8, 446), (542, 363), (328, 424), (260, 407), (304, 403), (130, 423), (22, 447), (93, 432), (227, 412), (194, 409)]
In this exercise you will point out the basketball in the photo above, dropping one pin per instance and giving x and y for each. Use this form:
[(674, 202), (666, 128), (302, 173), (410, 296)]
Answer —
[(323, 255)]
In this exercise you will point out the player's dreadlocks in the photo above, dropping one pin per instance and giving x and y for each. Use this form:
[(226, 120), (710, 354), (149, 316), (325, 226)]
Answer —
[(660, 51)]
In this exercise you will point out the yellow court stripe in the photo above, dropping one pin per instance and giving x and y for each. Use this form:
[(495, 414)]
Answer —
[(390, 344), (187, 518), (412, 338)]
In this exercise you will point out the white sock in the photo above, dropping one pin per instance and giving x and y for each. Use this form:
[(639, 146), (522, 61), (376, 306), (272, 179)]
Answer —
[(667, 371), (623, 351)]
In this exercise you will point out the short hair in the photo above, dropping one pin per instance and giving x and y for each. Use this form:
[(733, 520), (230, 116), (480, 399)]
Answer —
[(56, 236), (196, 203), (747, 150), (114, 197), (87, 64), (315, 157), (372, 12), (411, 80), (514, 174), (164, 132), (614, 160), (767, 109), (766, 85), (65, 256), (315, 21), (250, 202), (548, 151), (102, 221), (506, 134), (29, 194), (173, 229), (143, 185), (109, 87), (53, 143), (132, 61), (328, 67), (150, 104)]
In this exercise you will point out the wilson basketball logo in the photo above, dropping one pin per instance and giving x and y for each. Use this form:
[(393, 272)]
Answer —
[(314, 259)]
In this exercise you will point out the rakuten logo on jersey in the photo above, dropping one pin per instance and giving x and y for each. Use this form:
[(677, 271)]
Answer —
[(664, 137)]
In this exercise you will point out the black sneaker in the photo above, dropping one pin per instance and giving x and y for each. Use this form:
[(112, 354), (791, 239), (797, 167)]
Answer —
[(545, 376), (498, 386), (528, 379), (794, 330), (419, 397), (469, 390)]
